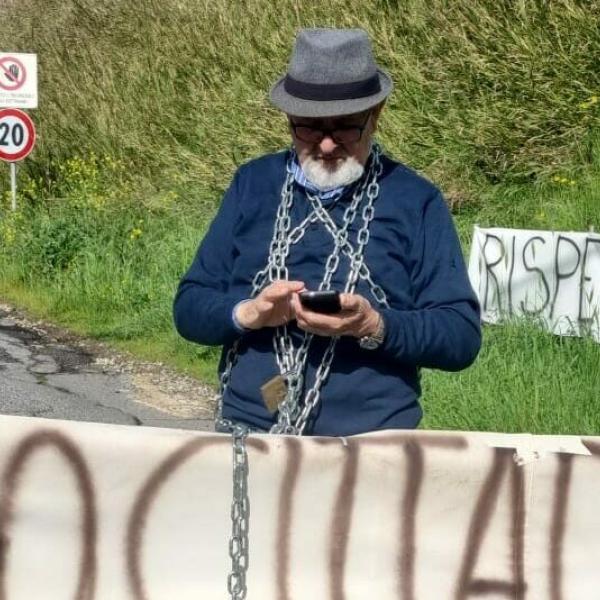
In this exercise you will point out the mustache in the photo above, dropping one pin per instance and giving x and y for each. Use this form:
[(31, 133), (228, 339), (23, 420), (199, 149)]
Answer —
[(329, 156)]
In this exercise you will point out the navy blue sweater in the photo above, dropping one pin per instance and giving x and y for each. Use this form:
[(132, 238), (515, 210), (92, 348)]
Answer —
[(413, 254)]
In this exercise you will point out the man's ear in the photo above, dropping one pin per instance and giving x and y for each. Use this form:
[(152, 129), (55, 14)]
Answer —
[(375, 114)]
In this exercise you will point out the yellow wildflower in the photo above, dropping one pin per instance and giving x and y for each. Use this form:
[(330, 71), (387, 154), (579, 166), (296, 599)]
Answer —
[(136, 232), (589, 102)]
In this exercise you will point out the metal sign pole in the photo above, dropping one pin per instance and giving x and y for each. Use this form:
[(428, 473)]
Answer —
[(13, 184)]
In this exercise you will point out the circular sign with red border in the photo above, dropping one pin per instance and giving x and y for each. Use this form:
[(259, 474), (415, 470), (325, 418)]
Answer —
[(12, 73), (17, 134)]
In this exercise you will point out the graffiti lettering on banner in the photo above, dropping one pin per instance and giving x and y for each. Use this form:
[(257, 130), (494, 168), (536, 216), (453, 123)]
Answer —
[(144, 513), (553, 277)]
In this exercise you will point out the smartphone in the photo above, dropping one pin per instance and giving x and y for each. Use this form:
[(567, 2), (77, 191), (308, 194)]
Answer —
[(325, 301)]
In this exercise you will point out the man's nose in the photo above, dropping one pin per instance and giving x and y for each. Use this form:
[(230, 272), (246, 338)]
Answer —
[(327, 145)]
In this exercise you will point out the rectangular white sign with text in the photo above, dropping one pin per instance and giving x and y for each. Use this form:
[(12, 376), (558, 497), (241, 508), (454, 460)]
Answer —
[(18, 80), (553, 277)]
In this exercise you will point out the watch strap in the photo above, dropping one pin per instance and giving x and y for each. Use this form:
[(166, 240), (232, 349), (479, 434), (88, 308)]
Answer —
[(373, 341)]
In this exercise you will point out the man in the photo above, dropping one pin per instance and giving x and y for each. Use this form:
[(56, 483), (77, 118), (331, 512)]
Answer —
[(332, 213)]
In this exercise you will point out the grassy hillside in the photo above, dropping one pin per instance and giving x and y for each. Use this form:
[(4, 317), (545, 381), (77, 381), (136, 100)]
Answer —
[(146, 108), (485, 90)]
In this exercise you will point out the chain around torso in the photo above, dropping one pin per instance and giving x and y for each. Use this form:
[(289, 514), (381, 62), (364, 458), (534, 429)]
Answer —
[(293, 413)]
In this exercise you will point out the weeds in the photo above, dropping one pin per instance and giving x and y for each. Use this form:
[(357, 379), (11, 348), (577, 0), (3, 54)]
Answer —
[(486, 92)]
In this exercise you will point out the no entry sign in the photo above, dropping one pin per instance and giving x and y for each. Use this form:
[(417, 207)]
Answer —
[(18, 80), (17, 134), (12, 73)]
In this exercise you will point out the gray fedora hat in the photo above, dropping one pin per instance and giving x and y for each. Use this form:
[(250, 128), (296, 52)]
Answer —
[(332, 72)]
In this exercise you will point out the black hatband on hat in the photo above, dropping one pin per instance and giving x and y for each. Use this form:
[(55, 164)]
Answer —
[(332, 91)]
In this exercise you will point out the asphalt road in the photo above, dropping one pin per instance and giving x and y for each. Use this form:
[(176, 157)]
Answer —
[(40, 377)]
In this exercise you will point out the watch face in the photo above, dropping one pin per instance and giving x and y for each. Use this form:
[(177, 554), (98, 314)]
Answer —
[(368, 343)]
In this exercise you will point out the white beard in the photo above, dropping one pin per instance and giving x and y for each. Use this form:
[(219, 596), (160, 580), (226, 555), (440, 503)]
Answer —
[(325, 179)]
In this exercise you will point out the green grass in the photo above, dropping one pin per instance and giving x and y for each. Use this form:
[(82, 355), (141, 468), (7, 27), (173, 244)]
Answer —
[(524, 380), (485, 91), (146, 109)]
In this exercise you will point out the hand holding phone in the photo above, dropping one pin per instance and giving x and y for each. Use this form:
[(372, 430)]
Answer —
[(271, 308), (321, 301)]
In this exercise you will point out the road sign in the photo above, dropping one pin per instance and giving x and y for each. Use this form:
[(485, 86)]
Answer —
[(18, 80), (14, 73), (17, 134)]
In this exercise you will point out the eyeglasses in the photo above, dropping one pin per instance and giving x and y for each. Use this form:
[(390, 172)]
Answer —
[(340, 135)]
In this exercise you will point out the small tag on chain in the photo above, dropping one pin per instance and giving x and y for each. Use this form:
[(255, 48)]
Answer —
[(273, 392)]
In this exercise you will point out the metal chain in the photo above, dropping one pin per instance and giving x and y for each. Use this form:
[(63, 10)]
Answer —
[(240, 517), (292, 415), (240, 504), (290, 361), (340, 239), (260, 280)]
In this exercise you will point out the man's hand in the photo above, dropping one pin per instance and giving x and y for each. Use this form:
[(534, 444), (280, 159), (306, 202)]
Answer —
[(357, 318), (272, 307)]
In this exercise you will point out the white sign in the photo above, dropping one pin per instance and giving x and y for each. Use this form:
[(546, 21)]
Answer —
[(17, 134), (18, 80), (550, 276), (107, 512)]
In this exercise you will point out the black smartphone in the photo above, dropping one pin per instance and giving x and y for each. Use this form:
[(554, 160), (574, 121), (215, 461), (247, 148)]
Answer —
[(325, 301)]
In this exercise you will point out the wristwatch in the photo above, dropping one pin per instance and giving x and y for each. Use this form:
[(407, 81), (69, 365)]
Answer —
[(373, 341)]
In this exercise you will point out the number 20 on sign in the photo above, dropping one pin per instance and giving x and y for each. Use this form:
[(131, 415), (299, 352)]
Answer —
[(17, 134), (17, 137)]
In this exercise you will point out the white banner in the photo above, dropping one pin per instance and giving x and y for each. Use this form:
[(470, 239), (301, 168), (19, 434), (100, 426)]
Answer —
[(107, 512), (553, 277)]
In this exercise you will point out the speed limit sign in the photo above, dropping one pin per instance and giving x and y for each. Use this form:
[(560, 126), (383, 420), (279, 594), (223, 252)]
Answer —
[(17, 134)]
